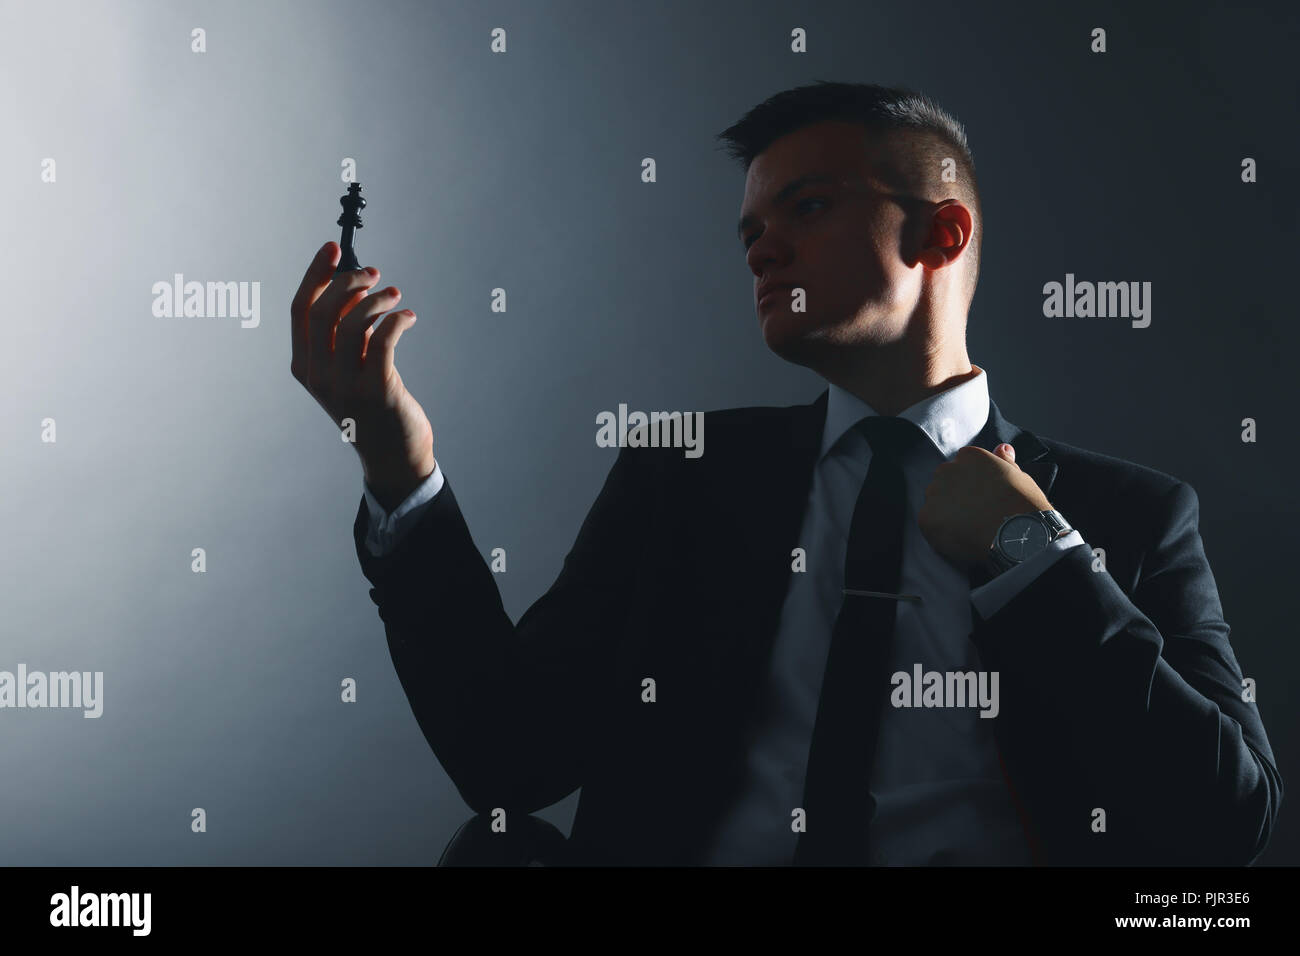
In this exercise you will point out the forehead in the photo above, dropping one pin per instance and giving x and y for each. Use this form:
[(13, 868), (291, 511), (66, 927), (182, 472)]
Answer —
[(836, 150)]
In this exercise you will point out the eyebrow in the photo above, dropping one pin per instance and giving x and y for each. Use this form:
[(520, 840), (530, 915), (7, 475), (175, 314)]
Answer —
[(788, 190)]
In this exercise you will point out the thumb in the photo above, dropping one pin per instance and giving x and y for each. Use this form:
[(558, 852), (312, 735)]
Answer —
[(1007, 452)]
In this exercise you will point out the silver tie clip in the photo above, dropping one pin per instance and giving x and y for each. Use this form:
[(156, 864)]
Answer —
[(914, 598)]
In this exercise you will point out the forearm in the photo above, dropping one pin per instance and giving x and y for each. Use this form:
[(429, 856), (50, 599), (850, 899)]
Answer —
[(509, 709), (1178, 760), (448, 635)]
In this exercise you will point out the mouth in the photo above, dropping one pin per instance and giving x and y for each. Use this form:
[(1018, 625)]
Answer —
[(771, 293)]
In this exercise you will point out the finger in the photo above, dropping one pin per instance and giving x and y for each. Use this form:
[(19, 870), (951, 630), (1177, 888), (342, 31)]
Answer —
[(345, 290), (350, 337), (974, 451), (1007, 451), (317, 277), (383, 342)]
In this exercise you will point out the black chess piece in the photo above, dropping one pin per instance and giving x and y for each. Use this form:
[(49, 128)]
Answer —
[(352, 204)]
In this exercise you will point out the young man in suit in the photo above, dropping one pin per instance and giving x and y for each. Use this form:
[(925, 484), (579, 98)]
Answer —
[(714, 667)]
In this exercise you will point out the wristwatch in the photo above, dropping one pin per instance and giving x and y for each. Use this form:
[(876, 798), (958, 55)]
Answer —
[(1022, 536)]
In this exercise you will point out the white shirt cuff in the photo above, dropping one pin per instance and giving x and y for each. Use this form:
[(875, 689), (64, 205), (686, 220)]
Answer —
[(988, 598), (385, 530)]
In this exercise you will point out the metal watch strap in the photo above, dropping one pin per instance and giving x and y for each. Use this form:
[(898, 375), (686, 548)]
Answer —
[(1057, 525)]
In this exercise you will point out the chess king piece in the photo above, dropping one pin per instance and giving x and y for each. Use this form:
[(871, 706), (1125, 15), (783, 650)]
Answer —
[(352, 205)]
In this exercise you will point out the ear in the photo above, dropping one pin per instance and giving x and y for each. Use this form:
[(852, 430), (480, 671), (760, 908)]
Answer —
[(950, 228)]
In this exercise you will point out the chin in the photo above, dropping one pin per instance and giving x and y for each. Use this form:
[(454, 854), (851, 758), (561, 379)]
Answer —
[(791, 335)]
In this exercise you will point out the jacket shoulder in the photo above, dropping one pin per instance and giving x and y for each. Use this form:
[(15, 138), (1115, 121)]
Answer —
[(1114, 474), (731, 431), (753, 414), (1127, 508)]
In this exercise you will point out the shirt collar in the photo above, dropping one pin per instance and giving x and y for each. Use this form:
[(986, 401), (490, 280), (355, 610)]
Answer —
[(950, 419)]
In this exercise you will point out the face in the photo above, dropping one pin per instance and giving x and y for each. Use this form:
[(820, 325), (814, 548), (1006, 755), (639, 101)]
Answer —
[(839, 237)]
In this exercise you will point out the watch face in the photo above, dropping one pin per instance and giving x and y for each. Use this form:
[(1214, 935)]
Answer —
[(1022, 537)]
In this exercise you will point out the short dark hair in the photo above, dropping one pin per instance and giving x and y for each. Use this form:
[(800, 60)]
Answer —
[(880, 109)]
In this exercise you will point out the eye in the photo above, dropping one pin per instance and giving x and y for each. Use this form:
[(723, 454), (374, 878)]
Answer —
[(799, 205)]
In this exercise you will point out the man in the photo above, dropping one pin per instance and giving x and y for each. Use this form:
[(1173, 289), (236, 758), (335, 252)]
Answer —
[(734, 663)]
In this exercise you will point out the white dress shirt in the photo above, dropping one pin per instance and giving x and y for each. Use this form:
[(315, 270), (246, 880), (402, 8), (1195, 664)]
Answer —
[(940, 795)]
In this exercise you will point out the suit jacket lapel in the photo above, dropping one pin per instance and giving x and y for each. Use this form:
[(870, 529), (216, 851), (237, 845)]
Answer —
[(1031, 455), (758, 491)]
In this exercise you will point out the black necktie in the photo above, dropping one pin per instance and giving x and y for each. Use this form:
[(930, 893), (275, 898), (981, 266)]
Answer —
[(837, 800)]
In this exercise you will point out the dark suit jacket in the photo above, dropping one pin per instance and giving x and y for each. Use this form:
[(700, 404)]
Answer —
[(1119, 689)]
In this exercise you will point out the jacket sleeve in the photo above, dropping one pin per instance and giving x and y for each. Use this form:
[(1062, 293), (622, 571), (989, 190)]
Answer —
[(1149, 694), (510, 710)]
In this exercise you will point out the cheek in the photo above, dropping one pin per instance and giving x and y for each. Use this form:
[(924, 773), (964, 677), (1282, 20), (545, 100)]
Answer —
[(848, 264), (876, 255)]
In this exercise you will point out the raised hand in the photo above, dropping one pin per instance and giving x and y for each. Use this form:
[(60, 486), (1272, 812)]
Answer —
[(348, 368)]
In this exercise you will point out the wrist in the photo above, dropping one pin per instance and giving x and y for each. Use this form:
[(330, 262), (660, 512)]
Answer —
[(391, 486)]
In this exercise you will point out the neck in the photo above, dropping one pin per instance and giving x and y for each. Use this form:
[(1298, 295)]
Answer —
[(891, 378)]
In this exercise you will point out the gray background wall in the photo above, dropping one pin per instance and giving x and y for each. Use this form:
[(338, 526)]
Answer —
[(522, 170)]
